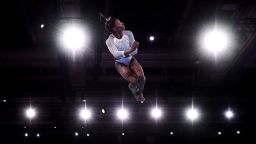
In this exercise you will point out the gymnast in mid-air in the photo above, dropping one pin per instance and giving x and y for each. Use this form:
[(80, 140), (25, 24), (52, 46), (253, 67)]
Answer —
[(123, 47)]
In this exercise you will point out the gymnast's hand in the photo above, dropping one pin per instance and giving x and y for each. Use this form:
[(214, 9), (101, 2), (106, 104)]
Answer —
[(132, 48), (134, 45)]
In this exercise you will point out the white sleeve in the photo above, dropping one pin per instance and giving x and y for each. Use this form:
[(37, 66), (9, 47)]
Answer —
[(132, 40), (113, 49), (131, 37)]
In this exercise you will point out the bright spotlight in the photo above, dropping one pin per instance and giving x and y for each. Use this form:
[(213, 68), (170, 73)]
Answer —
[(238, 132), (215, 41), (38, 135), (219, 133), (42, 26), (123, 133), (156, 113), (151, 38), (87, 134), (4, 100), (30, 113), (85, 114), (76, 134), (122, 114), (73, 38), (26, 134), (171, 133), (192, 114), (229, 114), (103, 111)]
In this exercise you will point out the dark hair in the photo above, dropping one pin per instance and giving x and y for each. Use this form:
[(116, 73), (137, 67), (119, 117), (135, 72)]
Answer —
[(109, 22)]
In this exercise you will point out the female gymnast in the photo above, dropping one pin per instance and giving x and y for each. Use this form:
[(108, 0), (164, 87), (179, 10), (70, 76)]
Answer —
[(123, 47)]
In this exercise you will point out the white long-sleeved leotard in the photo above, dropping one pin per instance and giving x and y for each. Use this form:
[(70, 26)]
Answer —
[(118, 46)]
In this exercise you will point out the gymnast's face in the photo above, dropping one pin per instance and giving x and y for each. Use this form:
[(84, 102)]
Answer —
[(119, 26)]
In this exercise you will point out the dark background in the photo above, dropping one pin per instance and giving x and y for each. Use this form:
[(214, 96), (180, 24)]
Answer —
[(34, 71)]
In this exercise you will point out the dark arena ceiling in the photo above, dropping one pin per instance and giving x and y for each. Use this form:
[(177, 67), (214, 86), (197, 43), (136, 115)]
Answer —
[(34, 71)]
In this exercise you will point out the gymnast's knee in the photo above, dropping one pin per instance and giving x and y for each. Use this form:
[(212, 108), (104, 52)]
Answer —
[(141, 78)]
